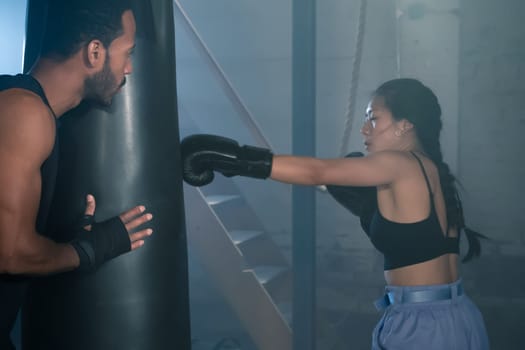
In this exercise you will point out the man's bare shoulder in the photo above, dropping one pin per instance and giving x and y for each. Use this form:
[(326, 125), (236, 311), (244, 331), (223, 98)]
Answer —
[(26, 123), (24, 104)]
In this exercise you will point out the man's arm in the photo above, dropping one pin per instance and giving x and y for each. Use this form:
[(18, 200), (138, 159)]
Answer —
[(27, 133)]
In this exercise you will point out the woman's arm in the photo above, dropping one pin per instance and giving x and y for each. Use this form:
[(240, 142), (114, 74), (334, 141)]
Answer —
[(373, 170), (204, 154)]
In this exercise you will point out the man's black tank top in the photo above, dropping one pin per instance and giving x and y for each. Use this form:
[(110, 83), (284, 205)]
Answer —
[(12, 288)]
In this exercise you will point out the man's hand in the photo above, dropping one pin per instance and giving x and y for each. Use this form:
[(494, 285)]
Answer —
[(99, 242), (132, 219)]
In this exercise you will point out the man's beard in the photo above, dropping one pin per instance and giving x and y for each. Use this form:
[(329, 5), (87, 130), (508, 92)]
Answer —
[(102, 86)]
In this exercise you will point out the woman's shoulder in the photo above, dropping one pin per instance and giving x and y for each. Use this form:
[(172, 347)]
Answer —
[(404, 162), (392, 156)]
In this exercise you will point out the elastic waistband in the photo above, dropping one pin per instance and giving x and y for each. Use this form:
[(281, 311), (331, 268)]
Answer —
[(404, 295)]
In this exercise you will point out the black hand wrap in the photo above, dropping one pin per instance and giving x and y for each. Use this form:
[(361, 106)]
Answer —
[(360, 201), (203, 154), (85, 220), (105, 241)]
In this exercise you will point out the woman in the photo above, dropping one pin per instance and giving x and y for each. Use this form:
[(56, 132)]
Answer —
[(408, 205)]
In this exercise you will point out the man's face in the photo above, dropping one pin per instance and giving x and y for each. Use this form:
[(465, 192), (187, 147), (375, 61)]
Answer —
[(103, 85)]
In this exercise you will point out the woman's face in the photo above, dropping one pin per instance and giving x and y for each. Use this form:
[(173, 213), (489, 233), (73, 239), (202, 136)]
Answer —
[(380, 130)]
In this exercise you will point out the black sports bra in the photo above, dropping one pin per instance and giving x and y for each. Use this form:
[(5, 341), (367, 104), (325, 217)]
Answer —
[(411, 243)]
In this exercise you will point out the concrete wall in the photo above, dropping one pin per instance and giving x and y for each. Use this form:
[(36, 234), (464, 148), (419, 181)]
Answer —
[(12, 33), (491, 163)]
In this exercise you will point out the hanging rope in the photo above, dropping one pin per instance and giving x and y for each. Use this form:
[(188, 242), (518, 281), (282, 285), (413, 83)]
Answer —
[(356, 67), (399, 13)]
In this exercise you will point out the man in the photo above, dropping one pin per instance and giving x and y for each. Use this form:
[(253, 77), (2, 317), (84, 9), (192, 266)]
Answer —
[(86, 54)]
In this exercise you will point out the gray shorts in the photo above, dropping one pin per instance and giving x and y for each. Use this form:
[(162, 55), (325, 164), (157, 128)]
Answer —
[(439, 317)]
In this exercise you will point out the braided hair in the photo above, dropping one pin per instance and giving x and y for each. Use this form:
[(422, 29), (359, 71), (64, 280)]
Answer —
[(411, 100)]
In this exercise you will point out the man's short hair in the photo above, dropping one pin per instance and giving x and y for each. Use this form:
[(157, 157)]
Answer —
[(71, 24)]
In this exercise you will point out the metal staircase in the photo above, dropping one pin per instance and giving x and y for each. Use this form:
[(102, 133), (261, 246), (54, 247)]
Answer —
[(243, 261), (223, 231)]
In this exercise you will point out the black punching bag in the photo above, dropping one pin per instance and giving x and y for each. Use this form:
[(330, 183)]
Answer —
[(125, 155)]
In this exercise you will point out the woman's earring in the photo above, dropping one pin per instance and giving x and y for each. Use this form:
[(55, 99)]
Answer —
[(398, 133)]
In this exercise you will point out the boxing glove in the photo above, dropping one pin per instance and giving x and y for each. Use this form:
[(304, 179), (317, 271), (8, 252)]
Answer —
[(202, 154)]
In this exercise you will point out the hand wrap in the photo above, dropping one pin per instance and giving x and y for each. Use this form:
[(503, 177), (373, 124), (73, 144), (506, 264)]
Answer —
[(106, 240)]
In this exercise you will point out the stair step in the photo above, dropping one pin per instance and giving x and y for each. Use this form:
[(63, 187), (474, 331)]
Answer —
[(220, 198), (265, 274), (240, 236), (286, 311)]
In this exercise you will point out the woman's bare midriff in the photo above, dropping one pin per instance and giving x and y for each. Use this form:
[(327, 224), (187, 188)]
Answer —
[(441, 270)]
